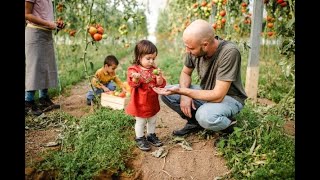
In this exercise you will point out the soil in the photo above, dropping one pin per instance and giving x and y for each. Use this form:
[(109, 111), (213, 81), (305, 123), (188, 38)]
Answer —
[(202, 162)]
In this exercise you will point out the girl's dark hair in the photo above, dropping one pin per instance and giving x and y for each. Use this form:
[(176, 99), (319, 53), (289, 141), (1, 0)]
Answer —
[(142, 48), (111, 59)]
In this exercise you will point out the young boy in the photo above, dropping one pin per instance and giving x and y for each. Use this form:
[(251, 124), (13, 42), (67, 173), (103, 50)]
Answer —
[(105, 79)]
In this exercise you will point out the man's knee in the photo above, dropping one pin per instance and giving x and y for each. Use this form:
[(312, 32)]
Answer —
[(208, 121), (203, 119)]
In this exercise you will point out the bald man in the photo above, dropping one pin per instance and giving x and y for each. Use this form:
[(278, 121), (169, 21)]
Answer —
[(220, 96)]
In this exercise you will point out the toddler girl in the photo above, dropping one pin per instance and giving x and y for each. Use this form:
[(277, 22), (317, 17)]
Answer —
[(144, 104)]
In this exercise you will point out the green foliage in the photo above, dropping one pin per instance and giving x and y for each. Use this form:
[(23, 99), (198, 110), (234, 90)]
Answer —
[(258, 148), (99, 141), (272, 86), (284, 21), (170, 63)]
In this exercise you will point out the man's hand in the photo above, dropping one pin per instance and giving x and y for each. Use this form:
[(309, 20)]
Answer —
[(186, 103), (166, 91)]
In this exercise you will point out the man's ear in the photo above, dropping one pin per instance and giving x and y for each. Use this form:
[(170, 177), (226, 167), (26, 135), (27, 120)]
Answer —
[(205, 43)]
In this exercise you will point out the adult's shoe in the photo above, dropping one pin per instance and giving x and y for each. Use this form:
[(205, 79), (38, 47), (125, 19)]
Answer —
[(230, 128), (187, 129), (226, 132), (47, 105), (30, 107)]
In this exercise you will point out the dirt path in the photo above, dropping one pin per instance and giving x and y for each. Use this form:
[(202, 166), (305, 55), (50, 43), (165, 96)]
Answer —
[(199, 163)]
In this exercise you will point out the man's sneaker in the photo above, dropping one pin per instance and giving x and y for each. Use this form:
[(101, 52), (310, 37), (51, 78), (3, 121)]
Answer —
[(31, 108), (46, 104), (226, 132), (143, 144), (154, 140), (230, 128), (187, 129)]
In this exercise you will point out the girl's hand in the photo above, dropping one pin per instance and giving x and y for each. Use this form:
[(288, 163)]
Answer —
[(158, 74), (159, 80), (135, 77)]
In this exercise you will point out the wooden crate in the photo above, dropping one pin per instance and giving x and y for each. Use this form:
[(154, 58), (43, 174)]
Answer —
[(114, 102)]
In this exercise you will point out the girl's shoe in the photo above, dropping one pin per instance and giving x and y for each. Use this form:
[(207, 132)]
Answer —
[(143, 144), (154, 140)]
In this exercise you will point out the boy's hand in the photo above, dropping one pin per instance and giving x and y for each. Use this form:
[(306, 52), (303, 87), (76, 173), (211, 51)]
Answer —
[(105, 89)]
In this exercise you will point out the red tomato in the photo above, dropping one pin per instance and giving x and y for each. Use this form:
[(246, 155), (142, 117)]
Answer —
[(280, 1), (122, 94), (244, 4), (204, 3), (270, 25), (222, 13), (97, 37), (100, 30), (284, 4)]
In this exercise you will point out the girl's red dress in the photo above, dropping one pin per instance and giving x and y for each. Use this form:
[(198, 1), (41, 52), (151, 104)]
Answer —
[(144, 102)]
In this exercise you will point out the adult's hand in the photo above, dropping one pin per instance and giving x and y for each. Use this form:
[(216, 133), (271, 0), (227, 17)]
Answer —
[(60, 25), (186, 103), (166, 91)]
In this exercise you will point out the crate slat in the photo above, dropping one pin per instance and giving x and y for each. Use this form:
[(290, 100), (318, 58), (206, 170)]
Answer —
[(114, 102)]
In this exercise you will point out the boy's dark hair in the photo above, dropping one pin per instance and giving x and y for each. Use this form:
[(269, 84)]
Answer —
[(111, 59), (143, 47)]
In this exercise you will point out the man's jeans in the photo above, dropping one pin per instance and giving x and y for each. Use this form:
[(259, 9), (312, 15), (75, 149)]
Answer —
[(110, 85), (212, 116)]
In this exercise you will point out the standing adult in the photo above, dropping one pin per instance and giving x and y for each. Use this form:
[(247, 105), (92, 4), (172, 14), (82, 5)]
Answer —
[(220, 95), (41, 67)]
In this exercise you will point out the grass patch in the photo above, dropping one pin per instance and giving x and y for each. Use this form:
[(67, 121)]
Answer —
[(259, 148), (100, 141)]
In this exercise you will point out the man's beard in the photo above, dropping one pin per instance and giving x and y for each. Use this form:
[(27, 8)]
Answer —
[(202, 53)]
